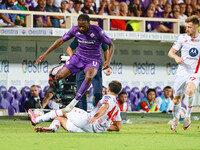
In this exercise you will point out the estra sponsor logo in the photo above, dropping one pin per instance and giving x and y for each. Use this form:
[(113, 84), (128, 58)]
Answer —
[(9, 32), (144, 68), (4, 66), (171, 68), (29, 66), (37, 32)]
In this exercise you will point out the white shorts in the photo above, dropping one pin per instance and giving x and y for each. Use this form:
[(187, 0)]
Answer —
[(181, 82), (77, 122)]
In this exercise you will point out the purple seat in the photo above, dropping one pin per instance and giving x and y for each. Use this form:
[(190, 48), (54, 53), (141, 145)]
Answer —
[(17, 98), (135, 90), (41, 92), (159, 91), (127, 89), (26, 93), (3, 89), (133, 99), (11, 100), (4, 104), (144, 90), (11, 111), (45, 88), (140, 95), (13, 90)]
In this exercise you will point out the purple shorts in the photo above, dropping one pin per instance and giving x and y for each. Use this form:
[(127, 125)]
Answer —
[(77, 63)]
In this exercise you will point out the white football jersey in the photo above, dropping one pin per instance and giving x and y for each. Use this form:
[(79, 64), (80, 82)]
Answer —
[(190, 49), (112, 114)]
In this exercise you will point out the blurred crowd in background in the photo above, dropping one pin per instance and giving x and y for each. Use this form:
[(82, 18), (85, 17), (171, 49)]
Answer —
[(179, 9)]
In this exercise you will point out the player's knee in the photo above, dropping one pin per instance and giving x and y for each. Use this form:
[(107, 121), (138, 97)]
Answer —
[(88, 78), (58, 118)]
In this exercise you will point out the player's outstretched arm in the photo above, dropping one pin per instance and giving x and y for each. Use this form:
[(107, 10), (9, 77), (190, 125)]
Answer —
[(55, 45), (106, 56), (116, 126), (172, 54), (109, 58), (102, 110)]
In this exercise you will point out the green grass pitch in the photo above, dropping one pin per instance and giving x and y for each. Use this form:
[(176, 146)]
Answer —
[(148, 131)]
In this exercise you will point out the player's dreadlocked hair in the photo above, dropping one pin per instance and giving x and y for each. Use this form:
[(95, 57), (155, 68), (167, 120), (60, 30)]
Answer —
[(84, 17), (194, 19), (115, 86)]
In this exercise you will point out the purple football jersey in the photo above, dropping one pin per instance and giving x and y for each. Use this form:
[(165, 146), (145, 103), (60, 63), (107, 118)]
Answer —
[(89, 44)]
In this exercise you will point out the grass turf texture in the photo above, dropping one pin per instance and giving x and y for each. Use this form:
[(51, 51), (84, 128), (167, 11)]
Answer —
[(148, 131)]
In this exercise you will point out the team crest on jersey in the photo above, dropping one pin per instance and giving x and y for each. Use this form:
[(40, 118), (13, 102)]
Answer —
[(193, 52), (92, 35)]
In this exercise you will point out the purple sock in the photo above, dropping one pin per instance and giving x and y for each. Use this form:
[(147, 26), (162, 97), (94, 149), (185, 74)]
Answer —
[(82, 90)]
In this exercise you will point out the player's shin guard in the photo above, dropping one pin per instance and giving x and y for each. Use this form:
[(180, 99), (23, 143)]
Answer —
[(189, 101), (176, 110), (50, 115), (82, 90), (55, 125)]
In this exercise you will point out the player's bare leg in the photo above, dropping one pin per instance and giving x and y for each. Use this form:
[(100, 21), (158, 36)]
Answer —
[(89, 75), (190, 90), (176, 109), (63, 73)]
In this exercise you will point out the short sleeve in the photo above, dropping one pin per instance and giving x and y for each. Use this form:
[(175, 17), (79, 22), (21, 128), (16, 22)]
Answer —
[(103, 36), (68, 35), (178, 43)]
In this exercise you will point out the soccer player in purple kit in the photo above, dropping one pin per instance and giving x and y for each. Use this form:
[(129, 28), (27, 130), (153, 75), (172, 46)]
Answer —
[(88, 56)]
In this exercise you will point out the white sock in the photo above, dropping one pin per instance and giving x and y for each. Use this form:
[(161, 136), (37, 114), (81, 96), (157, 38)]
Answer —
[(71, 105), (50, 115), (176, 110), (190, 102), (55, 125)]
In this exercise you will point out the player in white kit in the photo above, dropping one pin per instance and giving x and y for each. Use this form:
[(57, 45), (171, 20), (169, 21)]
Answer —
[(187, 75), (105, 116)]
